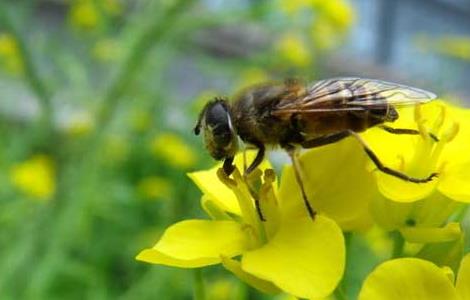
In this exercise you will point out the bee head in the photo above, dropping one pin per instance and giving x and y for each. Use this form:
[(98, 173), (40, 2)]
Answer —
[(219, 135)]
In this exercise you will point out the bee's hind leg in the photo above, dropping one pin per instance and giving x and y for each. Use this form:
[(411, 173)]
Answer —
[(385, 169), (297, 172), (406, 131)]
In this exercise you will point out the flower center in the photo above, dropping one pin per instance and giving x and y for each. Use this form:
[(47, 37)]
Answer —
[(258, 203), (426, 158)]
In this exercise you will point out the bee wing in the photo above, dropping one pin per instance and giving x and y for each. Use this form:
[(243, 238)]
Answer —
[(354, 94)]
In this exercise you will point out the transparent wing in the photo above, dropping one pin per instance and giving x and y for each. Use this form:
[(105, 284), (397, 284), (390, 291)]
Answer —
[(353, 94)]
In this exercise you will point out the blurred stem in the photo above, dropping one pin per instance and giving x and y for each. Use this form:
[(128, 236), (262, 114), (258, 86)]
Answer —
[(199, 292), (149, 38), (341, 290), (30, 72), (398, 244), (461, 213)]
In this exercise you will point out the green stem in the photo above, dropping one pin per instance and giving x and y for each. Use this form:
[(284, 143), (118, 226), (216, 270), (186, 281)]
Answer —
[(30, 72), (199, 291), (149, 38), (461, 213), (398, 244)]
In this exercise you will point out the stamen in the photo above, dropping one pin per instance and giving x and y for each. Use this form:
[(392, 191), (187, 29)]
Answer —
[(439, 121), (225, 179), (451, 133), (420, 121)]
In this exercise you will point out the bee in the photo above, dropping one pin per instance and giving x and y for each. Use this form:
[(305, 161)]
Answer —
[(293, 115)]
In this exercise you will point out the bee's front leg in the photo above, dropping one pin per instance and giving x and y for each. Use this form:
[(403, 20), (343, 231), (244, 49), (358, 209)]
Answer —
[(258, 159), (228, 166)]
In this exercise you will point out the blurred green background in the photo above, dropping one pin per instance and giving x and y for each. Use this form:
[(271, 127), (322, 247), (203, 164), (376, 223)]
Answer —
[(99, 97)]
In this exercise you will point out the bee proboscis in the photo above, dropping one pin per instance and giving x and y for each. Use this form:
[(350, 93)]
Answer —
[(292, 114)]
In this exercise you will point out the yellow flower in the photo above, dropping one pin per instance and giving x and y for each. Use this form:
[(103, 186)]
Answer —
[(454, 46), (292, 7), (153, 187), (288, 251), (337, 184), (250, 77), (294, 51), (174, 150), (339, 12), (84, 14), (417, 279), (35, 177), (9, 54), (419, 156), (80, 125)]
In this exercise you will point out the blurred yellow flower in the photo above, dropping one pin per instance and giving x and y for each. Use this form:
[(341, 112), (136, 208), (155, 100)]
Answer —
[(417, 279), (339, 12), (287, 251), (173, 150), (112, 7), (10, 57), (35, 177), (323, 34), (294, 51), (87, 14), (293, 7), (251, 76), (84, 14), (154, 187), (453, 46), (79, 125)]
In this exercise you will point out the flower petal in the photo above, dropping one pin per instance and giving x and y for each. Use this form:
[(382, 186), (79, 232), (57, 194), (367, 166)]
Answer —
[(450, 232), (197, 243), (408, 278), (454, 181), (235, 267), (337, 184), (208, 182), (463, 279), (306, 258), (403, 191)]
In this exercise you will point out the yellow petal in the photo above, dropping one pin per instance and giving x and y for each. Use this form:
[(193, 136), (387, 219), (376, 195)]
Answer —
[(455, 180), (306, 258), (463, 279), (197, 243), (403, 191), (208, 182), (430, 212), (448, 233), (408, 278), (337, 184), (264, 286)]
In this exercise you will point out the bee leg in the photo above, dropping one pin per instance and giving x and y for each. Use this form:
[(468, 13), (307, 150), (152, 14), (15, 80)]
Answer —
[(406, 131), (258, 159), (295, 163), (325, 140), (228, 166), (385, 169), (254, 164)]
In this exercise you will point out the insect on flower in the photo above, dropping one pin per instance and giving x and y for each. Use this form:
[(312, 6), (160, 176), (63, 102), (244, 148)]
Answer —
[(292, 114)]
